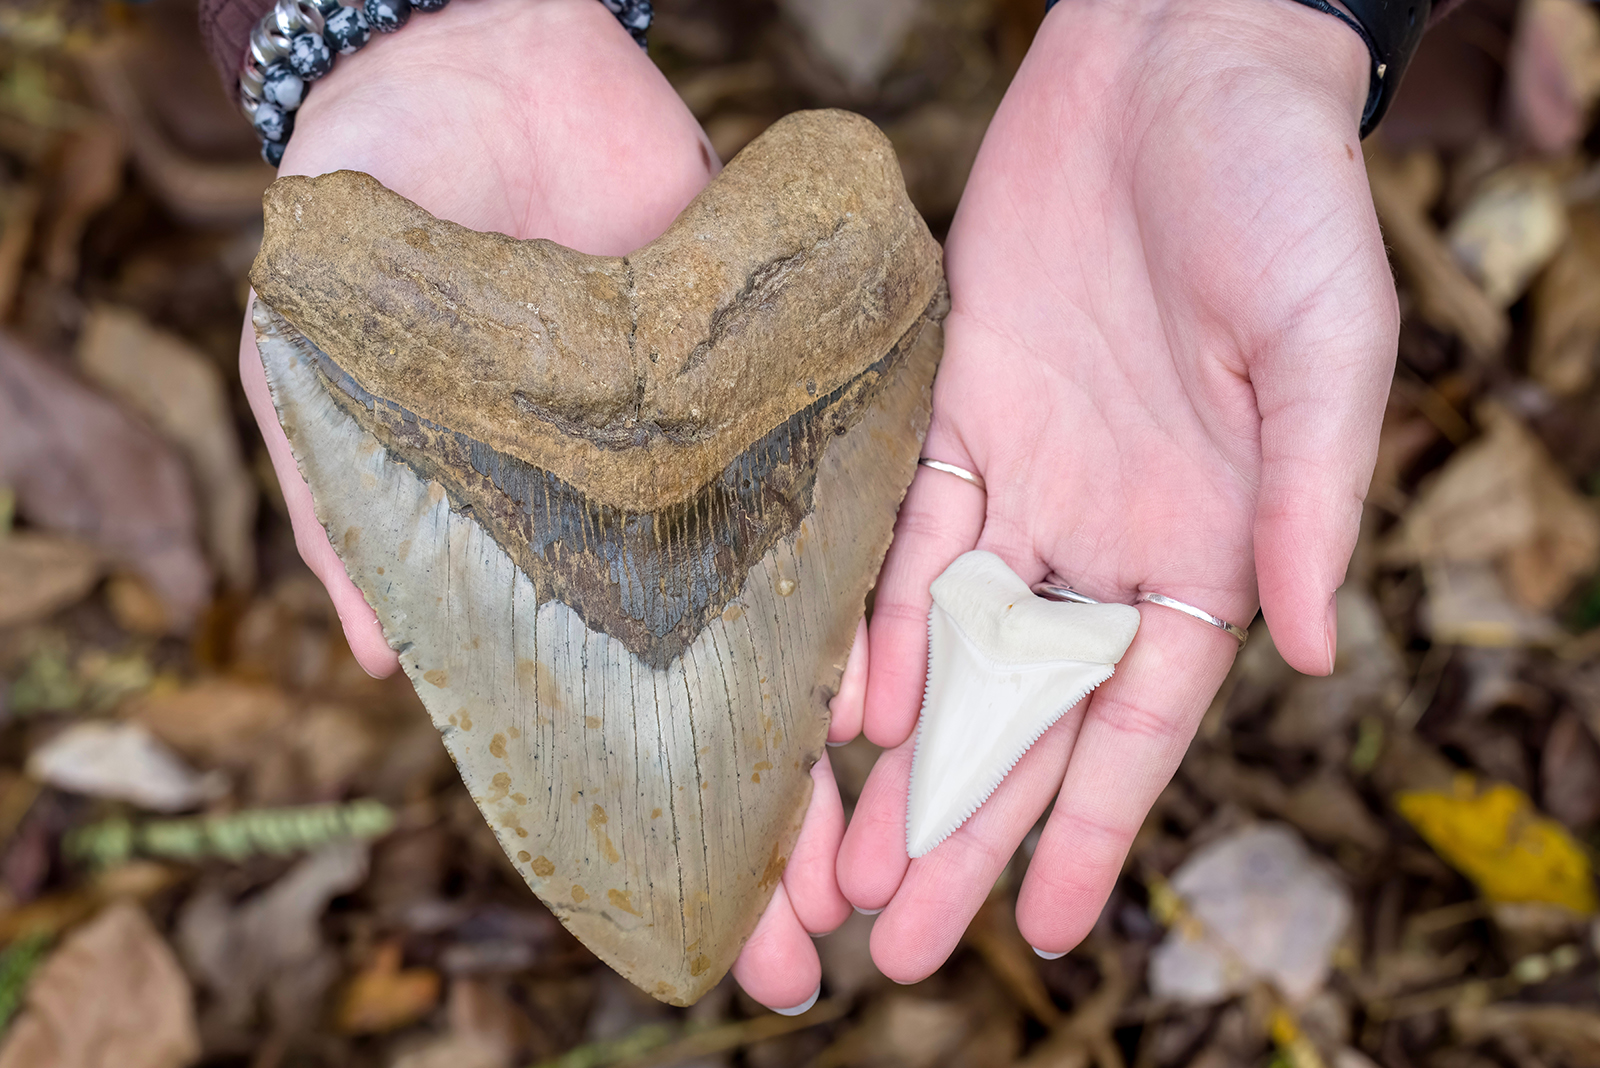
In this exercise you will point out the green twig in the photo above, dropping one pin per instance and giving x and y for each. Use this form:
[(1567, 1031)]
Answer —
[(236, 836)]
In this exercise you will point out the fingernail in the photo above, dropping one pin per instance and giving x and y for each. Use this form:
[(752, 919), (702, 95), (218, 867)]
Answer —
[(1333, 631), (867, 912), (804, 1006), (835, 745), (1048, 956)]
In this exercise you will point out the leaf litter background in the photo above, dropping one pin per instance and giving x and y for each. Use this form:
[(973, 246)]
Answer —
[(221, 843)]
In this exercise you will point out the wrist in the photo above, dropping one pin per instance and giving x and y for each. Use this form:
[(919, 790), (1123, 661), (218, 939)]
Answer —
[(295, 45), (1243, 43), (514, 59)]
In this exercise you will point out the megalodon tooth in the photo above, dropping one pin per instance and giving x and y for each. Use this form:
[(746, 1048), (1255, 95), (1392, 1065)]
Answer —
[(619, 515), (1003, 666)]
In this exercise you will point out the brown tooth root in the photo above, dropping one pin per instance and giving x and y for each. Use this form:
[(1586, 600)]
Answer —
[(625, 512)]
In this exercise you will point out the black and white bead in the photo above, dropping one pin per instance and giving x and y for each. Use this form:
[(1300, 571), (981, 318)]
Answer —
[(272, 152), (282, 86), (387, 16), (309, 56), (273, 123), (429, 5), (635, 16), (347, 30)]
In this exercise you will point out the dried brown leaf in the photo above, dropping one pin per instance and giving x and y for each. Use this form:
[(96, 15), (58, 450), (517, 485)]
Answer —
[(40, 573), (181, 393), (113, 994), (1566, 313), (1503, 500), (1564, 1031), (1445, 296), (1509, 229), (385, 997), (1553, 72), (87, 177), (81, 466)]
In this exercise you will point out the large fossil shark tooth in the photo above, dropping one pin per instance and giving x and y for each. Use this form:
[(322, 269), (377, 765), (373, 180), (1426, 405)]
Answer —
[(1003, 665), (619, 515)]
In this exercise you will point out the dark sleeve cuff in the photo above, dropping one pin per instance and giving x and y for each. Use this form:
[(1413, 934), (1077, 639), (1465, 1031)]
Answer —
[(225, 26)]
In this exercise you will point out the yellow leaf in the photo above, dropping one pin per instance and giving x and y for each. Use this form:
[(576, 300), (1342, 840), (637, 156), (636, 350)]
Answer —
[(1494, 836), (386, 997)]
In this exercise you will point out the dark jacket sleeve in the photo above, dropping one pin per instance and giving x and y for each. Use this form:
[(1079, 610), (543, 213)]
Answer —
[(225, 26)]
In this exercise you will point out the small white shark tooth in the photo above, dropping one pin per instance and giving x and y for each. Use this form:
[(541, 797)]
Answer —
[(1003, 665)]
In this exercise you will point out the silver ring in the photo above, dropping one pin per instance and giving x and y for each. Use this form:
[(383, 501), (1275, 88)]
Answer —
[(951, 469), (1197, 613), (292, 16), (1052, 591), (267, 45)]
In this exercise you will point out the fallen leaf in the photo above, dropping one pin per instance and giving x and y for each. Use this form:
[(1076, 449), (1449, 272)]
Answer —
[(1509, 230), (454, 1051), (82, 467), (216, 722), (201, 192), (1403, 192), (1569, 772), (1468, 605), (18, 962), (1503, 500), (111, 995), (124, 762), (19, 205), (87, 177), (1553, 72), (1257, 906), (1494, 836), (385, 997), (1566, 316), (1368, 674), (1565, 1031), (181, 393), (271, 946), (858, 40), (937, 145), (40, 573)]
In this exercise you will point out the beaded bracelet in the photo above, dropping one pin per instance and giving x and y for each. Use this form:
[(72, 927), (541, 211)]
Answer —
[(294, 44)]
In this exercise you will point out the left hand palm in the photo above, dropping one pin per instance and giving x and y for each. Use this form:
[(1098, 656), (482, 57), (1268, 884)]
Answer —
[(1172, 332)]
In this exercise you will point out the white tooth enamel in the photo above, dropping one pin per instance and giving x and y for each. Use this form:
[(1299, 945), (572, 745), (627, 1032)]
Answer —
[(1003, 665)]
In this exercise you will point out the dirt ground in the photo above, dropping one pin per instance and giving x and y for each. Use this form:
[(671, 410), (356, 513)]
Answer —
[(222, 843)]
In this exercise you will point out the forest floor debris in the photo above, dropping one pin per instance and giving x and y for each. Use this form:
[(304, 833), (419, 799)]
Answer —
[(223, 844)]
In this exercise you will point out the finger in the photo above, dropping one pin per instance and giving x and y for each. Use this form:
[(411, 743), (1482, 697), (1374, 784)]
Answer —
[(872, 857), (939, 520), (846, 706), (779, 966), (1321, 409), (359, 621), (1133, 737), (943, 889), (811, 874)]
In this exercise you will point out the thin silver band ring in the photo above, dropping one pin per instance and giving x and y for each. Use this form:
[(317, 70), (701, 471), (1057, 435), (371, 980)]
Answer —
[(1055, 591), (1197, 613), (951, 469), (1052, 591)]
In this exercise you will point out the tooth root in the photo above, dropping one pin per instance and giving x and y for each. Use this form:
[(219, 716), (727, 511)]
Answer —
[(1003, 666)]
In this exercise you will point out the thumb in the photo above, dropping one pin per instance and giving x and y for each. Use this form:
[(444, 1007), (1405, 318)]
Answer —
[(1321, 407)]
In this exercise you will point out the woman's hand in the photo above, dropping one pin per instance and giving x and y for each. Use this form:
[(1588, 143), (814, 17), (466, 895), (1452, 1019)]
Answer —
[(534, 118), (1172, 334)]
